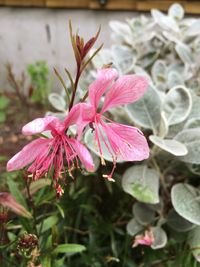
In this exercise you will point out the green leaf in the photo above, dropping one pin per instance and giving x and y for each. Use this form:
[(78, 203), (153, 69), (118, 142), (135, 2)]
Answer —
[(47, 223), (177, 105), (185, 202), (194, 242), (191, 139), (142, 183), (146, 111), (46, 261), (172, 146), (16, 193), (69, 248), (37, 185)]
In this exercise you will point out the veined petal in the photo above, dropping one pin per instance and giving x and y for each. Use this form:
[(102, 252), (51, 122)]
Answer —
[(73, 116), (125, 90), (40, 125), (87, 114), (27, 154), (104, 79), (83, 154), (128, 143)]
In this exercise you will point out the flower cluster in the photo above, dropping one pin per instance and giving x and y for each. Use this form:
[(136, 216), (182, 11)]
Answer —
[(61, 153)]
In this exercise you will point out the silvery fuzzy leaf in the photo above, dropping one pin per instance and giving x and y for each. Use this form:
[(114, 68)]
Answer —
[(103, 57), (143, 214), (145, 37), (195, 111), (174, 79), (60, 115), (196, 45), (194, 168), (194, 29), (123, 57), (160, 238), (194, 85), (158, 41), (185, 202), (185, 53), (164, 128), (140, 71), (176, 11), (177, 105), (92, 145), (141, 183), (122, 29), (147, 59), (57, 101), (172, 146), (178, 223), (165, 22), (171, 36), (191, 138), (158, 71), (161, 89), (173, 130), (133, 227), (194, 242), (146, 111), (178, 67), (192, 123)]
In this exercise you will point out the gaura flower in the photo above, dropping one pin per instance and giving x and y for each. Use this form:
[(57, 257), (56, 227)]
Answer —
[(146, 239), (51, 154), (122, 142)]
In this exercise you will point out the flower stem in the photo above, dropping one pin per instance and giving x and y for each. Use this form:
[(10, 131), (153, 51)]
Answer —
[(32, 205)]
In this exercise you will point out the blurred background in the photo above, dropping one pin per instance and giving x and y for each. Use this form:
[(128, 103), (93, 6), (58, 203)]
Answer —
[(38, 30)]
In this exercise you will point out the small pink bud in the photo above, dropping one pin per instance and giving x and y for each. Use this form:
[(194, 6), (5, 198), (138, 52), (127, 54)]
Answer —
[(145, 239), (8, 201)]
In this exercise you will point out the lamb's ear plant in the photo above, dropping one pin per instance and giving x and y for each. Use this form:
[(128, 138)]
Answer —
[(166, 49)]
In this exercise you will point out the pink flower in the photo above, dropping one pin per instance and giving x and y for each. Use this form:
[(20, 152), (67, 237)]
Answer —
[(45, 154), (146, 239), (122, 142)]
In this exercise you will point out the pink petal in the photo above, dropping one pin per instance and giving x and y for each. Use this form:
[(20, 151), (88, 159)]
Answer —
[(83, 154), (127, 142), (40, 125), (104, 79), (8, 201), (125, 90), (73, 116), (146, 239), (87, 114), (27, 154)]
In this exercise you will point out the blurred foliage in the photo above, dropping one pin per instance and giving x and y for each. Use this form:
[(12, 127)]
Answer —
[(39, 75), (4, 102)]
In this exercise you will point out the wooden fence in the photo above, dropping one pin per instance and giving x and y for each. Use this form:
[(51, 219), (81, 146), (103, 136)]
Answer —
[(191, 6)]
